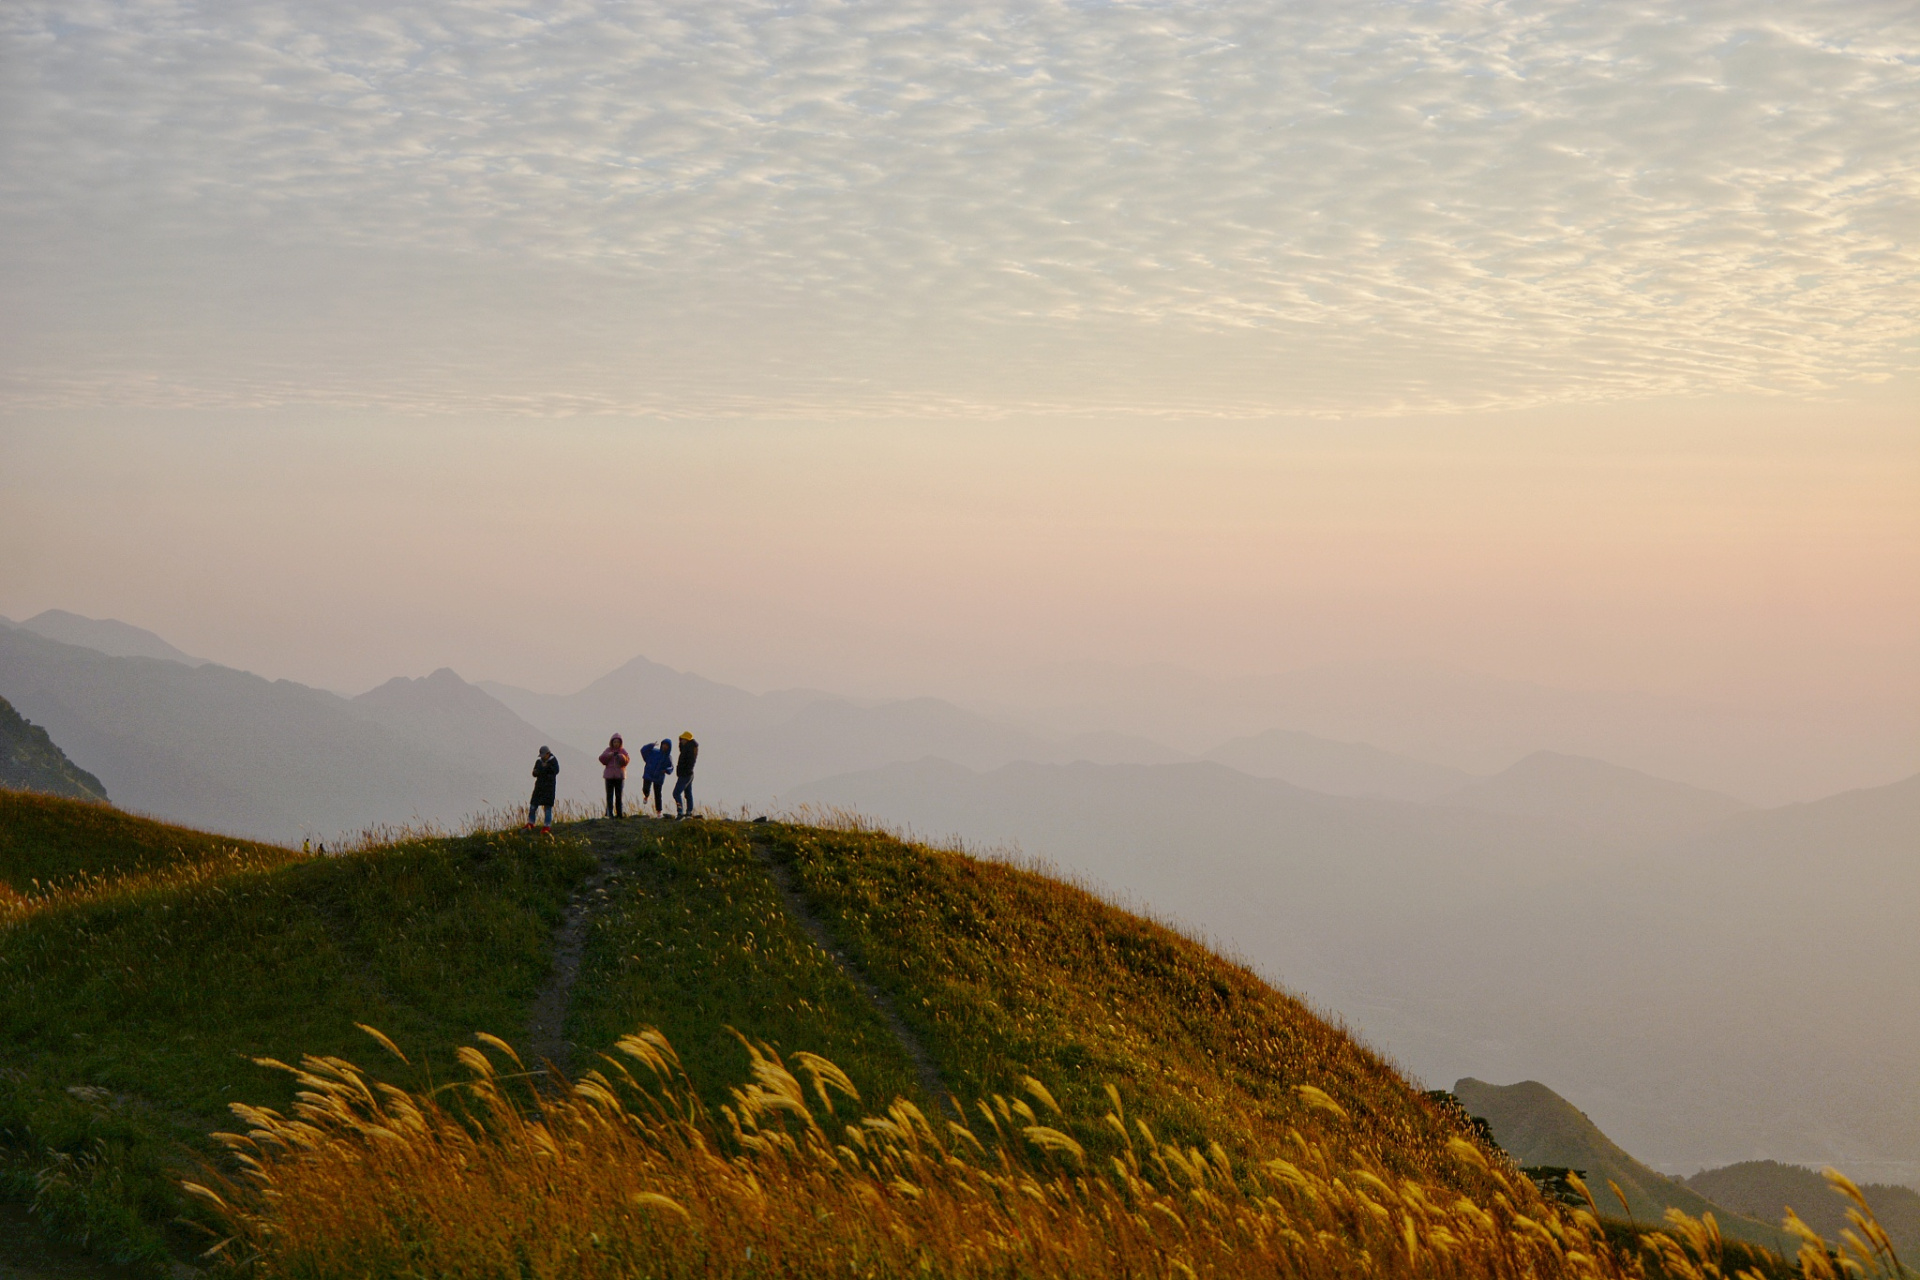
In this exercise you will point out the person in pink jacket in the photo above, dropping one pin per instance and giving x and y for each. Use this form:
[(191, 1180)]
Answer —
[(615, 759)]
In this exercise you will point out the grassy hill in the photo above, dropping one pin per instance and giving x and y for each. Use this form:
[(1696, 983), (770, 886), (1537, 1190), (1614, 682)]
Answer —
[(1538, 1127), (153, 964), (1050, 1050), (31, 761)]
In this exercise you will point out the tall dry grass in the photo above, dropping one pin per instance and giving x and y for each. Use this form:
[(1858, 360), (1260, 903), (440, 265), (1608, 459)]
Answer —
[(205, 871), (217, 864), (627, 1174)]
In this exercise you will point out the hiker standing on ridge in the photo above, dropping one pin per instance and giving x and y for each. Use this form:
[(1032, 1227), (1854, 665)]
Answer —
[(683, 776), (616, 759), (655, 764), (545, 770)]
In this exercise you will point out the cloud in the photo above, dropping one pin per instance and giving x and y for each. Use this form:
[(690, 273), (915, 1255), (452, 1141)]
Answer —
[(948, 206)]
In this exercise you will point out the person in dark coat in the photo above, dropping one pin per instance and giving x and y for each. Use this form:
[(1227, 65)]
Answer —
[(655, 764), (546, 770), (683, 776), (616, 759)]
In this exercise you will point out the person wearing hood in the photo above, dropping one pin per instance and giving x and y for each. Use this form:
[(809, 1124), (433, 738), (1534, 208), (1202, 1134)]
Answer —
[(683, 776), (656, 762), (546, 771), (616, 759)]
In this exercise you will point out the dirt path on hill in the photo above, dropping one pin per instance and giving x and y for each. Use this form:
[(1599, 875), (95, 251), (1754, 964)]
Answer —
[(546, 1025), (802, 910), (546, 1040)]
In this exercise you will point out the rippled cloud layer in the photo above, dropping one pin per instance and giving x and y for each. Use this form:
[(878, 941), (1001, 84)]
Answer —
[(937, 205)]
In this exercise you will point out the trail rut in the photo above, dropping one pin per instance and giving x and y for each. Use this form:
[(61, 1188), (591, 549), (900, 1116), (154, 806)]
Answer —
[(801, 910), (547, 1045), (546, 1024)]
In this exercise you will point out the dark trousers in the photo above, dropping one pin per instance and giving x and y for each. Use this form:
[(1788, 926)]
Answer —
[(616, 794), (538, 805), (683, 788), (655, 787)]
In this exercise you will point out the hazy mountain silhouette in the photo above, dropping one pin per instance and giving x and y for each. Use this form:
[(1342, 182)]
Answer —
[(643, 699), (1503, 944), (1338, 768), (105, 635), (449, 719), (1604, 798), (274, 759), (1476, 722), (1665, 985), (1537, 1126), (31, 761), (1766, 1189), (759, 746)]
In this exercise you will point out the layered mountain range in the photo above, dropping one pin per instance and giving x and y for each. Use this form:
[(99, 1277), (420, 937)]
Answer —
[(1661, 951)]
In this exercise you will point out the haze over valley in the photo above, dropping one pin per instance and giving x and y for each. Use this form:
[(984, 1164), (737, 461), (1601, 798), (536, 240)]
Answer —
[(1658, 950)]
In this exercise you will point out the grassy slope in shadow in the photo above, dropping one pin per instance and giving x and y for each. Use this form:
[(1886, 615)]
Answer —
[(131, 1009)]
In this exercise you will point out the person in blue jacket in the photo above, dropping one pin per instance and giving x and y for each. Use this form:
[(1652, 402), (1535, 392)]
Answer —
[(655, 764)]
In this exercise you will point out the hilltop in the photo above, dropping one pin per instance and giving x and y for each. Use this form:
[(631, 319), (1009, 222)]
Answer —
[(32, 761), (154, 964)]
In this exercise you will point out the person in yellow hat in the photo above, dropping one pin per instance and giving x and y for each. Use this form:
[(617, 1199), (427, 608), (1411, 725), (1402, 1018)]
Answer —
[(683, 776)]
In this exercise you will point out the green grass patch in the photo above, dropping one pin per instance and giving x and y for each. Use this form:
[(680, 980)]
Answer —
[(698, 940), (54, 840), (127, 1024)]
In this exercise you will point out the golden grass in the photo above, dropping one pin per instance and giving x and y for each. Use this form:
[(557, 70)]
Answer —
[(629, 1175), (1005, 973), (215, 860), (1864, 1248), (203, 872)]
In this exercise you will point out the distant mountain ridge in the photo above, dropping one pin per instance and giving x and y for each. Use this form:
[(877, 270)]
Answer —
[(1596, 796), (761, 746), (1508, 940), (31, 761), (1536, 1126), (275, 759), (1338, 768), (1766, 1189), (447, 717), (1479, 722), (105, 635)]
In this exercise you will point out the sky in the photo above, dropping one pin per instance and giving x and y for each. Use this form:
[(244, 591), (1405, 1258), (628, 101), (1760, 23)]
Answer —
[(887, 346)]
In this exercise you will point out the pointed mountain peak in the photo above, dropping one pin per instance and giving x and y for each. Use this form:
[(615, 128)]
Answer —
[(441, 686)]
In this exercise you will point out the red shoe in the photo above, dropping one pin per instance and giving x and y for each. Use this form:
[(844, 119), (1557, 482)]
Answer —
[(528, 827), (546, 831)]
